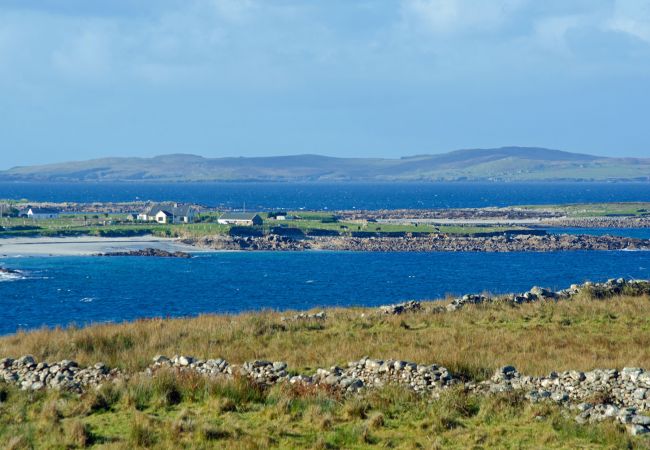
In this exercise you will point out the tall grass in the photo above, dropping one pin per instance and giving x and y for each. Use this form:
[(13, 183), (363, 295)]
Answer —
[(174, 411), (537, 338)]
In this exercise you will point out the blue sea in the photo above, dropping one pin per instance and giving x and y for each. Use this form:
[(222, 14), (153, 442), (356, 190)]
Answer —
[(63, 290), (332, 196), (53, 291)]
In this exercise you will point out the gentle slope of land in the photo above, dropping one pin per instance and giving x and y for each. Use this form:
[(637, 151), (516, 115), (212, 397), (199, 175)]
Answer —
[(507, 163)]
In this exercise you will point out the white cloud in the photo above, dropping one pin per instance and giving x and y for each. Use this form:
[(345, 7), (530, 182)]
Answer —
[(453, 17), (632, 17), (267, 43), (233, 10)]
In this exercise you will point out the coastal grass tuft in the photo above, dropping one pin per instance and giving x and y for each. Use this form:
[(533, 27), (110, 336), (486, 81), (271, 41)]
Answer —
[(390, 417)]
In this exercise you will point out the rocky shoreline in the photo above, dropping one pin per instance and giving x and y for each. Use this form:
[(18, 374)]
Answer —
[(432, 243), (599, 222)]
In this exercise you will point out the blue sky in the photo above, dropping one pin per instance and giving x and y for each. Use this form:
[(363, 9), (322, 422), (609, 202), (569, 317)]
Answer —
[(82, 79)]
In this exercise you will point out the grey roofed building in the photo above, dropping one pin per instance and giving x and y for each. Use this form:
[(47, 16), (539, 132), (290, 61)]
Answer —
[(41, 213), (181, 213), (176, 209), (44, 211), (240, 218)]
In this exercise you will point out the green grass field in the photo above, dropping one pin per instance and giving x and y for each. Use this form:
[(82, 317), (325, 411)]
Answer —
[(117, 225)]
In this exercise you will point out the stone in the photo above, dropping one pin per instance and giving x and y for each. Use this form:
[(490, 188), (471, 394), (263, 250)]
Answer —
[(279, 365), (26, 360), (636, 430), (185, 360), (639, 393), (641, 420), (160, 359), (67, 364), (610, 411), (585, 406), (331, 379), (560, 397)]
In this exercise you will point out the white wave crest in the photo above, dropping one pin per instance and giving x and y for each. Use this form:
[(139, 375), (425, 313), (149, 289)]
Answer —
[(11, 276)]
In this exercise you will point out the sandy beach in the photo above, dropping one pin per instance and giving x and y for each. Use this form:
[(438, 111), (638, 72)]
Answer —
[(86, 245)]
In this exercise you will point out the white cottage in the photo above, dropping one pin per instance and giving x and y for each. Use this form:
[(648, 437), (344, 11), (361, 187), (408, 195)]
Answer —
[(42, 213)]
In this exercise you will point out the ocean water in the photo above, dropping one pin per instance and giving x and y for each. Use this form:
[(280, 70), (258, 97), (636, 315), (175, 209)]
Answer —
[(317, 196), (61, 290)]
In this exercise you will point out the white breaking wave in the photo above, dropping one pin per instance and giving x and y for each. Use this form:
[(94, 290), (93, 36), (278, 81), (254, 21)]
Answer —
[(11, 276)]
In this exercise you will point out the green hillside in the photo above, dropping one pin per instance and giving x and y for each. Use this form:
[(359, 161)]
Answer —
[(501, 164)]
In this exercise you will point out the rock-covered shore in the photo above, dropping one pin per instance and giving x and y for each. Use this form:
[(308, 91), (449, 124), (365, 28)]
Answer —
[(599, 222), (435, 242)]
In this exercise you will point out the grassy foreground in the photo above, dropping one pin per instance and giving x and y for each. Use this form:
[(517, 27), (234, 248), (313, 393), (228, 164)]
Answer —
[(172, 411)]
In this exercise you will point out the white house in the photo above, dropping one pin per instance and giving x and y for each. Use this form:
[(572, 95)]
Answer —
[(164, 217), (240, 218), (42, 213), (168, 213)]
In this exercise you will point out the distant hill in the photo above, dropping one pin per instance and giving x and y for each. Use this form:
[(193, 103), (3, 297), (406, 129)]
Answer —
[(499, 164)]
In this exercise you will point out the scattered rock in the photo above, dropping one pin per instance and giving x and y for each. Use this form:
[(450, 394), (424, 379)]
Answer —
[(610, 288), (152, 252), (321, 315), (63, 375), (400, 308)]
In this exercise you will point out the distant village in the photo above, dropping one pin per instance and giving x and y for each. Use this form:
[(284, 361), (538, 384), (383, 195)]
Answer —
[(160, 213)]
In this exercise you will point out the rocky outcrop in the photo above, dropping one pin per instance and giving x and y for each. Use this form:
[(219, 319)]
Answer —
[(460, 214), (265, 243), (65, 375), (594, 396), (151, 252), (431, 243), (600, 222), (505, 243), (610, 288), (597, 395), (357, 375), (400, 308)]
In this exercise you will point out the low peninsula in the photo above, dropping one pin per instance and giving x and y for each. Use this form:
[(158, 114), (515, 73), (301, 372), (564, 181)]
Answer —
[(172, 227)]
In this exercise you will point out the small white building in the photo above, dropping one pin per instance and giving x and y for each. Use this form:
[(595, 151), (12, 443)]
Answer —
[(42, 213), (164, 217)]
